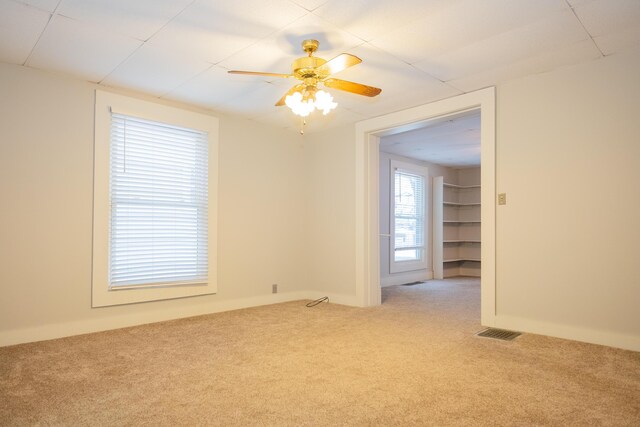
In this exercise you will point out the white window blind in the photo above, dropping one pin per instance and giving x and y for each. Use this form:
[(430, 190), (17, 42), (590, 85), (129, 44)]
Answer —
[(409, 216), (159, 203)]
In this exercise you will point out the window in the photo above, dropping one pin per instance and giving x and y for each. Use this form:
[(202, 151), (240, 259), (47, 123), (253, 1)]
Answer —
[(154, 202), (408, 216), (158, 193)]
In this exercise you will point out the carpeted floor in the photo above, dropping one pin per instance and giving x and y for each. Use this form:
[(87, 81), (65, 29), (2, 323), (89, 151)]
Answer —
[(412, 361)]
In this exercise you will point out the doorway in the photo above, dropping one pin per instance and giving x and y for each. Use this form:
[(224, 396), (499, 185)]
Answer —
[(368, 134), (442, 231)]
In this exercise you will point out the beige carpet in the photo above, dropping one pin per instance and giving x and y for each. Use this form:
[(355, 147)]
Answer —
[(412, 361)]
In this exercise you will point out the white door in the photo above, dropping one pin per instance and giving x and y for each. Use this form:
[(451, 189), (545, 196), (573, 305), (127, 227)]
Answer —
[(408, 216)]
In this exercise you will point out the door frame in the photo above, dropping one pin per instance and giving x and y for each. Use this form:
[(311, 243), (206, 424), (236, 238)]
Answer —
[(367, 149)]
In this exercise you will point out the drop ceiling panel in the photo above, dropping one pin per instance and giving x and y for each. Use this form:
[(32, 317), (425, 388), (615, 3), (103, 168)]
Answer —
[(369, 19), (566, 55), (139, 19), (600, 18), (20, 27), (48, 5), (154, 71), (213, 30), (79, 49), (462, 23), (619, 41), (559, 29), (211, 88), (417, 51)]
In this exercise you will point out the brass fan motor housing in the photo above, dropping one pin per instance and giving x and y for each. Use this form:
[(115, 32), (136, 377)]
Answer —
[(305, 67)]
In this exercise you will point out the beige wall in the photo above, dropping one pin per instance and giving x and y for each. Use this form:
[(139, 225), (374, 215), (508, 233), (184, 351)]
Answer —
[(46, 189), (568, 157), (330, 181)]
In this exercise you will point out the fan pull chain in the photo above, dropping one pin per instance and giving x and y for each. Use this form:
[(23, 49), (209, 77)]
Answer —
[(304, 122)]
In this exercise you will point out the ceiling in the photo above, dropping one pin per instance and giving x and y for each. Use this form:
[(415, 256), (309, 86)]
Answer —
[(452, 142), (417, 51)]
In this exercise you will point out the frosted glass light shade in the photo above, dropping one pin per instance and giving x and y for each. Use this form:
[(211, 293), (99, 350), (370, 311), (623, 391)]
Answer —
[(321, 100)]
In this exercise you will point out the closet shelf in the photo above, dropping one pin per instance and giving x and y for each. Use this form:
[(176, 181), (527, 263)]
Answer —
[(457, 235), (460, 186), (460, 204)]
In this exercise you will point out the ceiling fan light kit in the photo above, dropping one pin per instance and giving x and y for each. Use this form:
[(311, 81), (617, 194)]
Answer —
[(303, 103), (305, 97)]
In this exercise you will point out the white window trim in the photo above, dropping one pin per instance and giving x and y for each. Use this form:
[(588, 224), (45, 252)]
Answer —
[(404, 266), (105, 102)]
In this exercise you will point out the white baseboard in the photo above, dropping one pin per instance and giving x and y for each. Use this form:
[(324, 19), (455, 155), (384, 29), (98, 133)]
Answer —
[(60, 330), (85, 326), (407, 277), (593, 336)]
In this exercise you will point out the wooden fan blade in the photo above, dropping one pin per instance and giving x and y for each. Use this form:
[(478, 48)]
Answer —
[(296, 88), (259, 73), (352, 87), (337, 64)]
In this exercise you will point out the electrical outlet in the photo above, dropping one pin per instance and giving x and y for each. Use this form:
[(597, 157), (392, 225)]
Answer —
[(502, 198), (274, 288)]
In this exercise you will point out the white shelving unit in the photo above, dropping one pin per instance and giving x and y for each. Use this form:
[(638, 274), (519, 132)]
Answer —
[(456, 229)]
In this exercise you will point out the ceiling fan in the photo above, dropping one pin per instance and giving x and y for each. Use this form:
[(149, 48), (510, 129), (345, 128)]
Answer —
[(305, 96)]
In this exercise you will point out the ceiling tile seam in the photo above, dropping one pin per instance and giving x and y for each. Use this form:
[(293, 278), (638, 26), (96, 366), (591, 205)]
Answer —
[(504, 80), (308, 10), (420, 70), (573, 63), (220, 104), (22, 3), (338, 27), (169, 21), (587, 36), (186, 81), (445, 82), (142, 43), (25, 63), (584, 27)]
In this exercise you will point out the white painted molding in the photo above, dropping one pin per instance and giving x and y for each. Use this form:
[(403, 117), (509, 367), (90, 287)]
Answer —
[(86, 326), (438, 232), (593, 336), (368, 133)]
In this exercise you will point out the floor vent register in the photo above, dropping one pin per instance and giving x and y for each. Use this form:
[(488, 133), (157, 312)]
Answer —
[(498, 334)]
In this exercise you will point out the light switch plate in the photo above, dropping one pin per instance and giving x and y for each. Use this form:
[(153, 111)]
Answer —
[(502, 198)]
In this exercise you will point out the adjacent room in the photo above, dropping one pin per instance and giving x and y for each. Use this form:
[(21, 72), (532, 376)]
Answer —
[(304, 212)]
